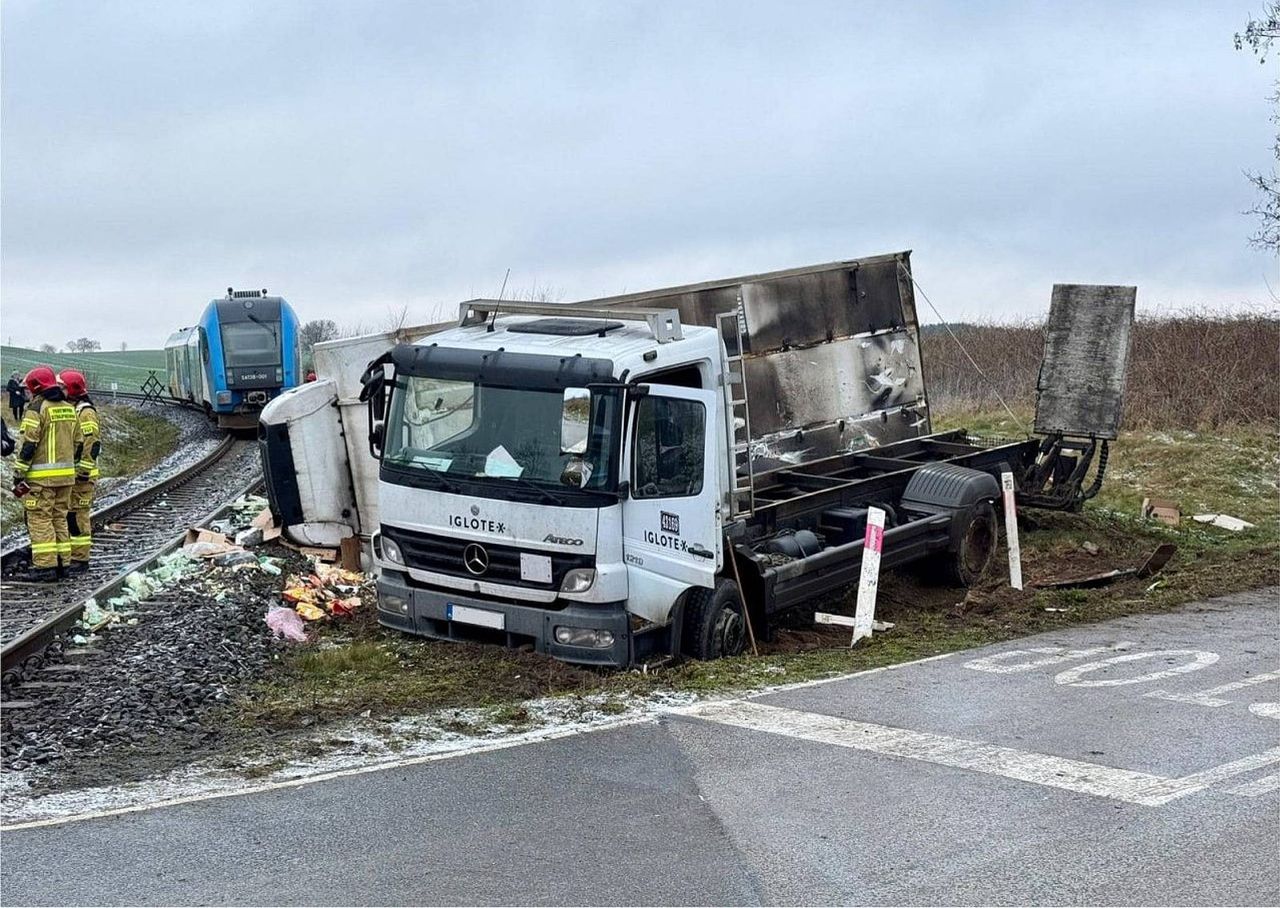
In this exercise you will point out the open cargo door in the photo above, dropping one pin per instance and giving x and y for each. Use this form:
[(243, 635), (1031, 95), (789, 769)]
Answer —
[(1086, 351), (1079, 392)]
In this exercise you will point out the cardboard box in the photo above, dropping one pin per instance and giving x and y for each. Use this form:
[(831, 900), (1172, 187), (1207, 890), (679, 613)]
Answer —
[(1163, 510)]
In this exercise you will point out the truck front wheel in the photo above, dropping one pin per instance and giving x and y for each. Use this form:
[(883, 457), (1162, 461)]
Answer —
[(714, 625)]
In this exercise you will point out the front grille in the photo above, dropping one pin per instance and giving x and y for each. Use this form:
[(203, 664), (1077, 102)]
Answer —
[(443, 555)]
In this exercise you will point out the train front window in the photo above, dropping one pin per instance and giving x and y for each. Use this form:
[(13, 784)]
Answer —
[(254, 343)]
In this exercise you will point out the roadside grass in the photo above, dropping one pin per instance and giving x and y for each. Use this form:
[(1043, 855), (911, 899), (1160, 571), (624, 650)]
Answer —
[(359, 668), (132, 441)]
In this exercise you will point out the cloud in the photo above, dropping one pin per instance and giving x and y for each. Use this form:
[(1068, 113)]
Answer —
[(352, 156)]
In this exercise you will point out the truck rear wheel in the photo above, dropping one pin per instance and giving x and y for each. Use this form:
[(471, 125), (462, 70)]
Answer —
[(969, 562), (714, 625)]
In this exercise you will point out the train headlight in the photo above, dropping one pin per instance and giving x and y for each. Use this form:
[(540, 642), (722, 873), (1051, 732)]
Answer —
[(224, 397), (279, 375)]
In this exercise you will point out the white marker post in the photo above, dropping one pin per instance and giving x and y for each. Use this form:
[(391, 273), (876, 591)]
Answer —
[(869, 582), (115, 386), (1011, 530)]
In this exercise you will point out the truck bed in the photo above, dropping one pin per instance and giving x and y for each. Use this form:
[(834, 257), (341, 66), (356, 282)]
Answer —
[(802, 498)]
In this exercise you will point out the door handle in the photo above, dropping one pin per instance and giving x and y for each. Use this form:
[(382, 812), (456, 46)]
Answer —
[(698, 550)]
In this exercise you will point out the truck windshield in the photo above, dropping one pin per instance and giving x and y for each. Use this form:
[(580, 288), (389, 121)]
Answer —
[(461, 430), (251, 343)]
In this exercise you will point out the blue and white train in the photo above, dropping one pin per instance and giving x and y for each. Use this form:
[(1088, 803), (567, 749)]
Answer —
[(243, 352)]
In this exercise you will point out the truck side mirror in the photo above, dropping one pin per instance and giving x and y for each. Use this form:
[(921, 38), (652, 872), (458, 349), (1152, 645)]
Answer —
[(373, 391), (575, 420)]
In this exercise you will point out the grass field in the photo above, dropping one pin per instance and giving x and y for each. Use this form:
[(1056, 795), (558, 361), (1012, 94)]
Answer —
[(127, 367)]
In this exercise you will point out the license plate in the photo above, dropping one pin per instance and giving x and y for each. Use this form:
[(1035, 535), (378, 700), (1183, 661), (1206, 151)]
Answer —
[(483, 617)]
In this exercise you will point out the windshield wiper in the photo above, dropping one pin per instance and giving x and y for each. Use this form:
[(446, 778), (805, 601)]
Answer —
[(444, 481), (530, 484)]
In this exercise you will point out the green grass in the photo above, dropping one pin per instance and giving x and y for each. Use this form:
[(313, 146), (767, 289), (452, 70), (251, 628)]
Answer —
[(129, 368)]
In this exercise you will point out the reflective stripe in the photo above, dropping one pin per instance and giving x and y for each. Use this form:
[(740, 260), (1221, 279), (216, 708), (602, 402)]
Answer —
[(64, 548), (81, 540), (50, 471), (40, 548)]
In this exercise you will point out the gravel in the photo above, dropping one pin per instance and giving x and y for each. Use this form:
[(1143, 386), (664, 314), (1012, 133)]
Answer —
[(140, 698)]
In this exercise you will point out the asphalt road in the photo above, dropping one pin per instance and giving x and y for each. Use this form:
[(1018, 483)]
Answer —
[(1136, 761)]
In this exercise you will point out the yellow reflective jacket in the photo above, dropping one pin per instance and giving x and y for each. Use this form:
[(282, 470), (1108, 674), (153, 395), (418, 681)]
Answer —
[(50, 433), (87, 452)]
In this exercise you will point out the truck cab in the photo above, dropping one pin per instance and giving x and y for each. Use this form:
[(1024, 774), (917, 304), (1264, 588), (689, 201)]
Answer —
[(558, 481)]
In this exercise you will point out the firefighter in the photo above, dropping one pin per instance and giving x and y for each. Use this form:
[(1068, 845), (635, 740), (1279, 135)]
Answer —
[(45, 471), (87, 452)]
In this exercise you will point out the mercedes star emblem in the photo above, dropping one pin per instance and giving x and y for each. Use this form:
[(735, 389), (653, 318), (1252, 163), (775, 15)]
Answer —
[(475, 559)]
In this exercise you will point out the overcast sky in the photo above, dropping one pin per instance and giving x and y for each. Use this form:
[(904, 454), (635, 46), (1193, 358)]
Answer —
[(360, 156)]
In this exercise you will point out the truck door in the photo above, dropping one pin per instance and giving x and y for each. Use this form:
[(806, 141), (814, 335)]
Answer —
[(671, 522)]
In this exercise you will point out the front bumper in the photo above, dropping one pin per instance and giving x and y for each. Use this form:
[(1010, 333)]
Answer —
[(425, 612)]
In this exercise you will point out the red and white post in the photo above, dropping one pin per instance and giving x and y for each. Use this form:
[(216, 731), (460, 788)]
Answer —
[(869, 581), (1011, 530)]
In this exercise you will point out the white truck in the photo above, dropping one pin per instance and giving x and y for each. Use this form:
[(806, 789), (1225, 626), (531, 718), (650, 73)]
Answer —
[(628, 479)]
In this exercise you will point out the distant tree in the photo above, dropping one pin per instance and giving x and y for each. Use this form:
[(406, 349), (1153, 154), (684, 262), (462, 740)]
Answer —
[(83, 345), (48, 348), (1258, 36), (124, 345), (314, 332)]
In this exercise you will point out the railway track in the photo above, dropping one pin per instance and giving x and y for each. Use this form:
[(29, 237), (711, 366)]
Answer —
[(127, 536)]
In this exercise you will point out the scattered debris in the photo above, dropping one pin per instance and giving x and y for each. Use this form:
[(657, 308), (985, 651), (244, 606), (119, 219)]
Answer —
[(1154, 563), (330, 591), (1089, 547), (286, 623), (1163, 510), (235, 557), (1226, 521), (249, 538)]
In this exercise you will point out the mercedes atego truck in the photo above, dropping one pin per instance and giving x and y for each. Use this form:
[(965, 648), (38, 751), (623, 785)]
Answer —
[(631, 479)]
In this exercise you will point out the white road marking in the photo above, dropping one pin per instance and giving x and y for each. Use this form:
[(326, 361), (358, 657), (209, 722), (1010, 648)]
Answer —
[(999, 664), (1129, 786), (1265, 710), (531, 737), (1198, 781), (1257, 787), (1211, 697), (1200, 659)]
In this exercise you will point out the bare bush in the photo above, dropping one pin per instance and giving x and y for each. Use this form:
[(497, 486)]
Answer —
[(1193, 369)]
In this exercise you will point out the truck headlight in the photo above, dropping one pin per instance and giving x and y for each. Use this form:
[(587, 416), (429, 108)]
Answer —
[(395, 604), (390, 549), (583, 636), (578, 580)]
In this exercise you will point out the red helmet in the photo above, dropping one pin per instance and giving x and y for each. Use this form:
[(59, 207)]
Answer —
[(40, 379), (73, 382)]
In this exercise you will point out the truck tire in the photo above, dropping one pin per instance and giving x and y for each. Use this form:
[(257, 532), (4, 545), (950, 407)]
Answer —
[(977, 547), (713, 622)]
